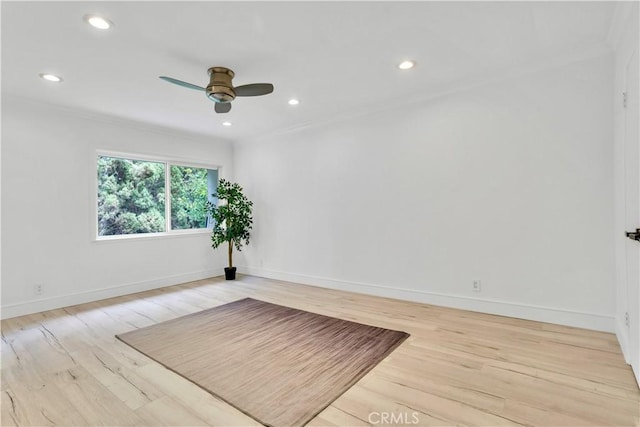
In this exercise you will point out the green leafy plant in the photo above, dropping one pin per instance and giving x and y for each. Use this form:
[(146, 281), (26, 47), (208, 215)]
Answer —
[(231, 216)]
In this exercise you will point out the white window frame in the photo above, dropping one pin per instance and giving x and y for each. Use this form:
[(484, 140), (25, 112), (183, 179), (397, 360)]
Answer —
[(168, 162)]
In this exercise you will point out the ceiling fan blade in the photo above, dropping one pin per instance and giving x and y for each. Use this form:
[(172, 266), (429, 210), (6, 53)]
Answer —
[(223, 107), (255, 89), (181, 83)]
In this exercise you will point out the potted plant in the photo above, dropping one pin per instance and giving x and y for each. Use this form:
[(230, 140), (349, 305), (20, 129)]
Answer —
[(232, 220)]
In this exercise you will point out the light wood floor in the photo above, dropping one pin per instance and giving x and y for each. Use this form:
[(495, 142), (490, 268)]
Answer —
[(65, 367)]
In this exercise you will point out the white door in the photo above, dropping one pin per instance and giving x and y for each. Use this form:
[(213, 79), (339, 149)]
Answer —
[(632, 208)]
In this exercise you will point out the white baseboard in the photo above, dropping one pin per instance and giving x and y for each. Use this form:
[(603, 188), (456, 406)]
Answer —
[(599, 322), (622, 333), (51, 303), (594, 321)]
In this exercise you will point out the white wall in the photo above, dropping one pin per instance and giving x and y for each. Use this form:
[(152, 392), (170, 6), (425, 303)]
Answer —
[(510, 183), (47, 189)]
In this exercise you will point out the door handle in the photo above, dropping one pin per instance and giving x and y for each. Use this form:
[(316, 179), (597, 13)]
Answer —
[(634, 235)]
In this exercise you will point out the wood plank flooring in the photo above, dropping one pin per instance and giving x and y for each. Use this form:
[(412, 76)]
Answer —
[(65, 366)]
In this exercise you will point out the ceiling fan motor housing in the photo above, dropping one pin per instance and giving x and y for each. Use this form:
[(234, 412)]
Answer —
[(220, 88)]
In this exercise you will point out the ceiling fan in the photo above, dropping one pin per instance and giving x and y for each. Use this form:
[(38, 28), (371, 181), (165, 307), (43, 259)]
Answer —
[(220, 89)]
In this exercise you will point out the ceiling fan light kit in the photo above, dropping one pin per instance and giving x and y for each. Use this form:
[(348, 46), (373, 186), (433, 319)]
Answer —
[(221, 90)]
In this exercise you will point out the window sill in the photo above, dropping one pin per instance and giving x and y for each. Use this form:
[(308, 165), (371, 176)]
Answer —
[(152, 236)]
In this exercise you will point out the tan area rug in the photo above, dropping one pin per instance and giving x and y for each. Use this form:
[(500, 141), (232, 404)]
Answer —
[(279, 365)]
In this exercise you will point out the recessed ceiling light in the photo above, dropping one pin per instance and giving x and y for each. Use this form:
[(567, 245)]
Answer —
[(98, 22), (226, 124), (294, 101), (51, 77), (405, 65)]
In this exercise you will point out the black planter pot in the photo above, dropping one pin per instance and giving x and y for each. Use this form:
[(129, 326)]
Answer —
[(230, 273)]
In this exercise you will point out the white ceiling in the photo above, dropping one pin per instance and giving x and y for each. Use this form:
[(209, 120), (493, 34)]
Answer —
[(336, 57)]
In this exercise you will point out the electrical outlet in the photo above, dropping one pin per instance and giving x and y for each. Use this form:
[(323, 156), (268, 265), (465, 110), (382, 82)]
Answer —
[(38, 289), (476, 285)]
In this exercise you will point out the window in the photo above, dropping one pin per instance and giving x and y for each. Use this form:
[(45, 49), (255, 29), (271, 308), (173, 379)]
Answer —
[(147, 196), (190, 189)]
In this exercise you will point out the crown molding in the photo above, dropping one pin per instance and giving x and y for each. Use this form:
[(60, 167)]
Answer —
[(422, 97), (116, 120), (400, 103)]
